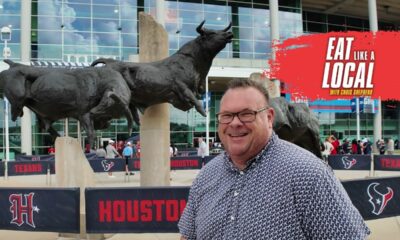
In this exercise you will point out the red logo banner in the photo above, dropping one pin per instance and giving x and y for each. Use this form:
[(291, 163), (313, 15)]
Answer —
[(339, 65)]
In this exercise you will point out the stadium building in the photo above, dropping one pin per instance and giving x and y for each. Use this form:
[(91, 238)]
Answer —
[(72, 33)]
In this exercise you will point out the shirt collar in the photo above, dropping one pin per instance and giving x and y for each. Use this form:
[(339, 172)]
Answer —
[(255, 160)]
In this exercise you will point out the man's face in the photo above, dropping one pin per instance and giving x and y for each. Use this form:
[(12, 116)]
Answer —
[(244, 140)]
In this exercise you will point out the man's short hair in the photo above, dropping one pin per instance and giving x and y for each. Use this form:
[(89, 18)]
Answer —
[(245, 83)]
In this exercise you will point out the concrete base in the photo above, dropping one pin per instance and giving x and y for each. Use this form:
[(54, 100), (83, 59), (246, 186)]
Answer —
[(154, 139), (73, 170)]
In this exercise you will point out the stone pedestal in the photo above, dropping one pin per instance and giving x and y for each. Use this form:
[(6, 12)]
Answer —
[(73, 170), (154, 129)]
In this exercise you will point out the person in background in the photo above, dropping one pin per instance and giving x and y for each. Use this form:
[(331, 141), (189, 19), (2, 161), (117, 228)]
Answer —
[(346, 148), (119, 146), (101, 152), (335, 143), (128, 153), (263, 187), (390, 146), (328, 148), (173, 151), (111, 153), (354, 146), (138, 149), (88, 149), (360, 147), (380, 144), (367, 149), (51, 150), (202, 150)]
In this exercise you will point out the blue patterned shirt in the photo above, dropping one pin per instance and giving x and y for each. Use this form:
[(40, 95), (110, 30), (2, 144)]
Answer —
[(284, 193)]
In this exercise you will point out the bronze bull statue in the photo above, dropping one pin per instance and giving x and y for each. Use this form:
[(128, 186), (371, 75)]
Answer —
[(91, 95), (178, 79), (295, 123)]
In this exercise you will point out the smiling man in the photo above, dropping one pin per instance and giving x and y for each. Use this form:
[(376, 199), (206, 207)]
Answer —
[(263, 187)]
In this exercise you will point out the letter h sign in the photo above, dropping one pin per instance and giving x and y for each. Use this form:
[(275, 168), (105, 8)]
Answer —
[(19, 209)]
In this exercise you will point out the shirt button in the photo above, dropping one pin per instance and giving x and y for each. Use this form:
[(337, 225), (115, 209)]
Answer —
[(241, 172), (235, 193), (232, 218)]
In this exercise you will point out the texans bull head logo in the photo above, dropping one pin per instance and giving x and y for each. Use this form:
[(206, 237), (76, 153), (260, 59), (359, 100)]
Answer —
[(377, 199), (348, 163), (107, 165)]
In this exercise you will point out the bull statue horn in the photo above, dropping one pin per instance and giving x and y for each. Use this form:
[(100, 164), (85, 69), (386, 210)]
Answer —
[(199, 28), (227, 28)]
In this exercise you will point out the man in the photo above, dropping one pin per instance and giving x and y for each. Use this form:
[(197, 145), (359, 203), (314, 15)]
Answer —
[(128, 153), (111, 152), (173, 151), (390, 146), (263, 187), (346, 148), (328, 148), (335, 143), (138, 149), (380, 144), (100, 152), (202, 150), (367, 149)]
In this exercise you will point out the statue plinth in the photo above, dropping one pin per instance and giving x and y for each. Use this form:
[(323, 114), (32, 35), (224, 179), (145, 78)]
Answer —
[(74, 170), (154, 129)]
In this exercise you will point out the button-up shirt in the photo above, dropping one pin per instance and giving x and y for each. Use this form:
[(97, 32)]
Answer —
[(285, 192)]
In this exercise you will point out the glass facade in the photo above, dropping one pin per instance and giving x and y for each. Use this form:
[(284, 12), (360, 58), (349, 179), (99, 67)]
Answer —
[(319, 23), (84, 30)]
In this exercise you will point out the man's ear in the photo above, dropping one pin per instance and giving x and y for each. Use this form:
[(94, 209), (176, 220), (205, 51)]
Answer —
[(271, 115)]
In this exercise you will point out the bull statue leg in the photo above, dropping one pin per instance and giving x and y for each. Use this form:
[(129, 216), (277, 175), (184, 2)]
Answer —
[(135, 113), (109, 101), (17, 102), (46, 125), (187, 96), (125, 109), (16, 111), (87, 123)]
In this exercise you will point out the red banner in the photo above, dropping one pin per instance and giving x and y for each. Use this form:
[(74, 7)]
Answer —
[(338, 64)]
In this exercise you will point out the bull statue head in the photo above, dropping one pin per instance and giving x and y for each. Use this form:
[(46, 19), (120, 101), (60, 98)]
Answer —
[(216, 40), (203, 50), (377, 199)]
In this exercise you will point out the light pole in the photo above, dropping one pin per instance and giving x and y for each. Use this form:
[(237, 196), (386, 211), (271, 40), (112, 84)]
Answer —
[(6, 36)]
